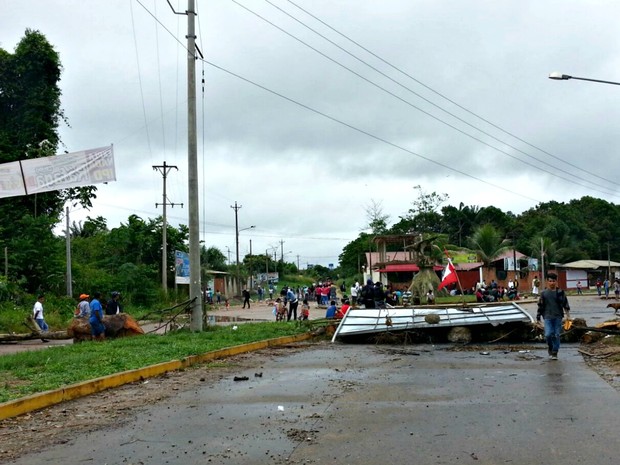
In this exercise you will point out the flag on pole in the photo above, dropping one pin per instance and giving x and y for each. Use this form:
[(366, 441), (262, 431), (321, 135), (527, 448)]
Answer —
[(449, 276)]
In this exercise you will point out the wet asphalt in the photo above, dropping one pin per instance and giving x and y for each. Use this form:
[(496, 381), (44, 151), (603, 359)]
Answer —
[(368, 404)]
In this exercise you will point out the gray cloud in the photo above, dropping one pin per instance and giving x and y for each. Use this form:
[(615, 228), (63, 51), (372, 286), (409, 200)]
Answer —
[(302, 177)]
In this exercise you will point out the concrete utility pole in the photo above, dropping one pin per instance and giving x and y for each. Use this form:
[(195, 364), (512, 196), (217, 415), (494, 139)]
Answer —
[(164, 170), (542, 260), (237, 208), (195, 288), (251, 272), (281, 250), (68, 255)]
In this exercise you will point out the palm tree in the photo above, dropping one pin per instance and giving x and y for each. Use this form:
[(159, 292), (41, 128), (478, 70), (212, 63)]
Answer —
[(488, 244)]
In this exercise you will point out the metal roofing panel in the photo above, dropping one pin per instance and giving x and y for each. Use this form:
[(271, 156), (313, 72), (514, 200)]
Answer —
[(364, 321)]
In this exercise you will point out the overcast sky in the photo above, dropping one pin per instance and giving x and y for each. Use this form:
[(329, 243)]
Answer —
[(307, 119)]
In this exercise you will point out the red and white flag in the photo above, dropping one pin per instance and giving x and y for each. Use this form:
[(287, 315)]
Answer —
[(449, 276)]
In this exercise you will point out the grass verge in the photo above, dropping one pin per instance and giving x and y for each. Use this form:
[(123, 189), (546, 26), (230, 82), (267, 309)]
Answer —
[(31, 372)]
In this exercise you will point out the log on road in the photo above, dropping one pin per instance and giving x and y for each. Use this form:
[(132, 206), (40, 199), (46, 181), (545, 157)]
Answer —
[(14, 337)]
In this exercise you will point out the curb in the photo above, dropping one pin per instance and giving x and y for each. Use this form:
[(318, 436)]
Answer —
[(45, 399)]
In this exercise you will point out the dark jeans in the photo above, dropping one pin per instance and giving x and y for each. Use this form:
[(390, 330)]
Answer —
[(246, 301), (292, 310)]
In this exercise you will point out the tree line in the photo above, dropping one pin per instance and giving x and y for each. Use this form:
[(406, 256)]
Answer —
[(583, 228)]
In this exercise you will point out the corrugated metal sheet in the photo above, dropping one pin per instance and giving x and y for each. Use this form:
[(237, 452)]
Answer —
[(366, 321)]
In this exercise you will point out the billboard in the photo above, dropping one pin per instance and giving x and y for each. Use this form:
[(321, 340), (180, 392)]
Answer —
[(46, 174), (181, 266)]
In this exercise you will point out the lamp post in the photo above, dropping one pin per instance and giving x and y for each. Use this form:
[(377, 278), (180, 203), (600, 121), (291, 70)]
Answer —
[(237, 231), (557, 76)]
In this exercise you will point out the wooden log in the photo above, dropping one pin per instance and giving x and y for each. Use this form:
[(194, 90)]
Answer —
[(56, 335)]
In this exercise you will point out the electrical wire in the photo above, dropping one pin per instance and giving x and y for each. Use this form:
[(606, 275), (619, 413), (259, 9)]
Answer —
[(406, 102), (562, 160), (373, 136), (350, 126), (135, 40), (161, 96)]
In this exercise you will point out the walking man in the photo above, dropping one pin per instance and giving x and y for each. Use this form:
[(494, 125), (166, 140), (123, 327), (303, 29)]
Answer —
[(246, 298), (552, 307), (37, 313)]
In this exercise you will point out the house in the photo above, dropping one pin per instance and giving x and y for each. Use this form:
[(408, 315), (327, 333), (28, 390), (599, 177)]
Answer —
[(586, 271), (398, 268)]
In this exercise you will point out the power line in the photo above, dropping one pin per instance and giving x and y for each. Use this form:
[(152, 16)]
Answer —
[(373, 136), (450, 100), (428, 101), (378, 138)]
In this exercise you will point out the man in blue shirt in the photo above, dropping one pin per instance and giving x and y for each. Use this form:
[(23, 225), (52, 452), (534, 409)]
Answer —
[(331, 310), (96, 318)]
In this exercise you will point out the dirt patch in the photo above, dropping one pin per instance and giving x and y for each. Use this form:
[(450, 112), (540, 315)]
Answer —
[(604, 358)]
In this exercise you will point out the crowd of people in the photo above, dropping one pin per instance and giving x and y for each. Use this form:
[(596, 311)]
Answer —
[(496, 293), (325, 294)]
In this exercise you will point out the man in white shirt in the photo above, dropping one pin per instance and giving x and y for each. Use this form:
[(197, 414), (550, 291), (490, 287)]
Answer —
[(37, 313), (354, 289)]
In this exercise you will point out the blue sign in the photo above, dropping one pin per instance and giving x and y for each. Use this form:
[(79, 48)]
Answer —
[(181, 266)]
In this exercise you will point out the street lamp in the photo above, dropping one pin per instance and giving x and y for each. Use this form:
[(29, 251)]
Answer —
[(557, 76), (237, 231)]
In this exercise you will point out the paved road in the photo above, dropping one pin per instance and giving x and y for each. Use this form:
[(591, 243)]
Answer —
[(367, 404)]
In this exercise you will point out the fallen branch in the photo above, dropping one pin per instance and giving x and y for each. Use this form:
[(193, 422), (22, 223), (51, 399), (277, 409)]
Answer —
[(56, 335), (604, 355)]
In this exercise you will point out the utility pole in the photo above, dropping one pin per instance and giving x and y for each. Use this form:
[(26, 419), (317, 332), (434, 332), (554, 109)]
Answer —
[(236, 208), (164, 170), (251, 270), (542, 260), (68, 255), (281, 250), (195, 288), (608, 263)]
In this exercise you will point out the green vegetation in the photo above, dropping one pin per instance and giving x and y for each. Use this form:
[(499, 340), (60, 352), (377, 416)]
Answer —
[(27, 373)]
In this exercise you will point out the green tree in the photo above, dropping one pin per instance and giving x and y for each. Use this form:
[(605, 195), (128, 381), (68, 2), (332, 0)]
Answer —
[(213, 259), (458, 223), (353, 255), (488, 243), (503, 222), (30, 113), (423, 217)]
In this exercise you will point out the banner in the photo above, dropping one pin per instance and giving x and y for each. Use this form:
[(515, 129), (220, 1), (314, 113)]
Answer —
[(11, 181), (181, 265), (46, 174)]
